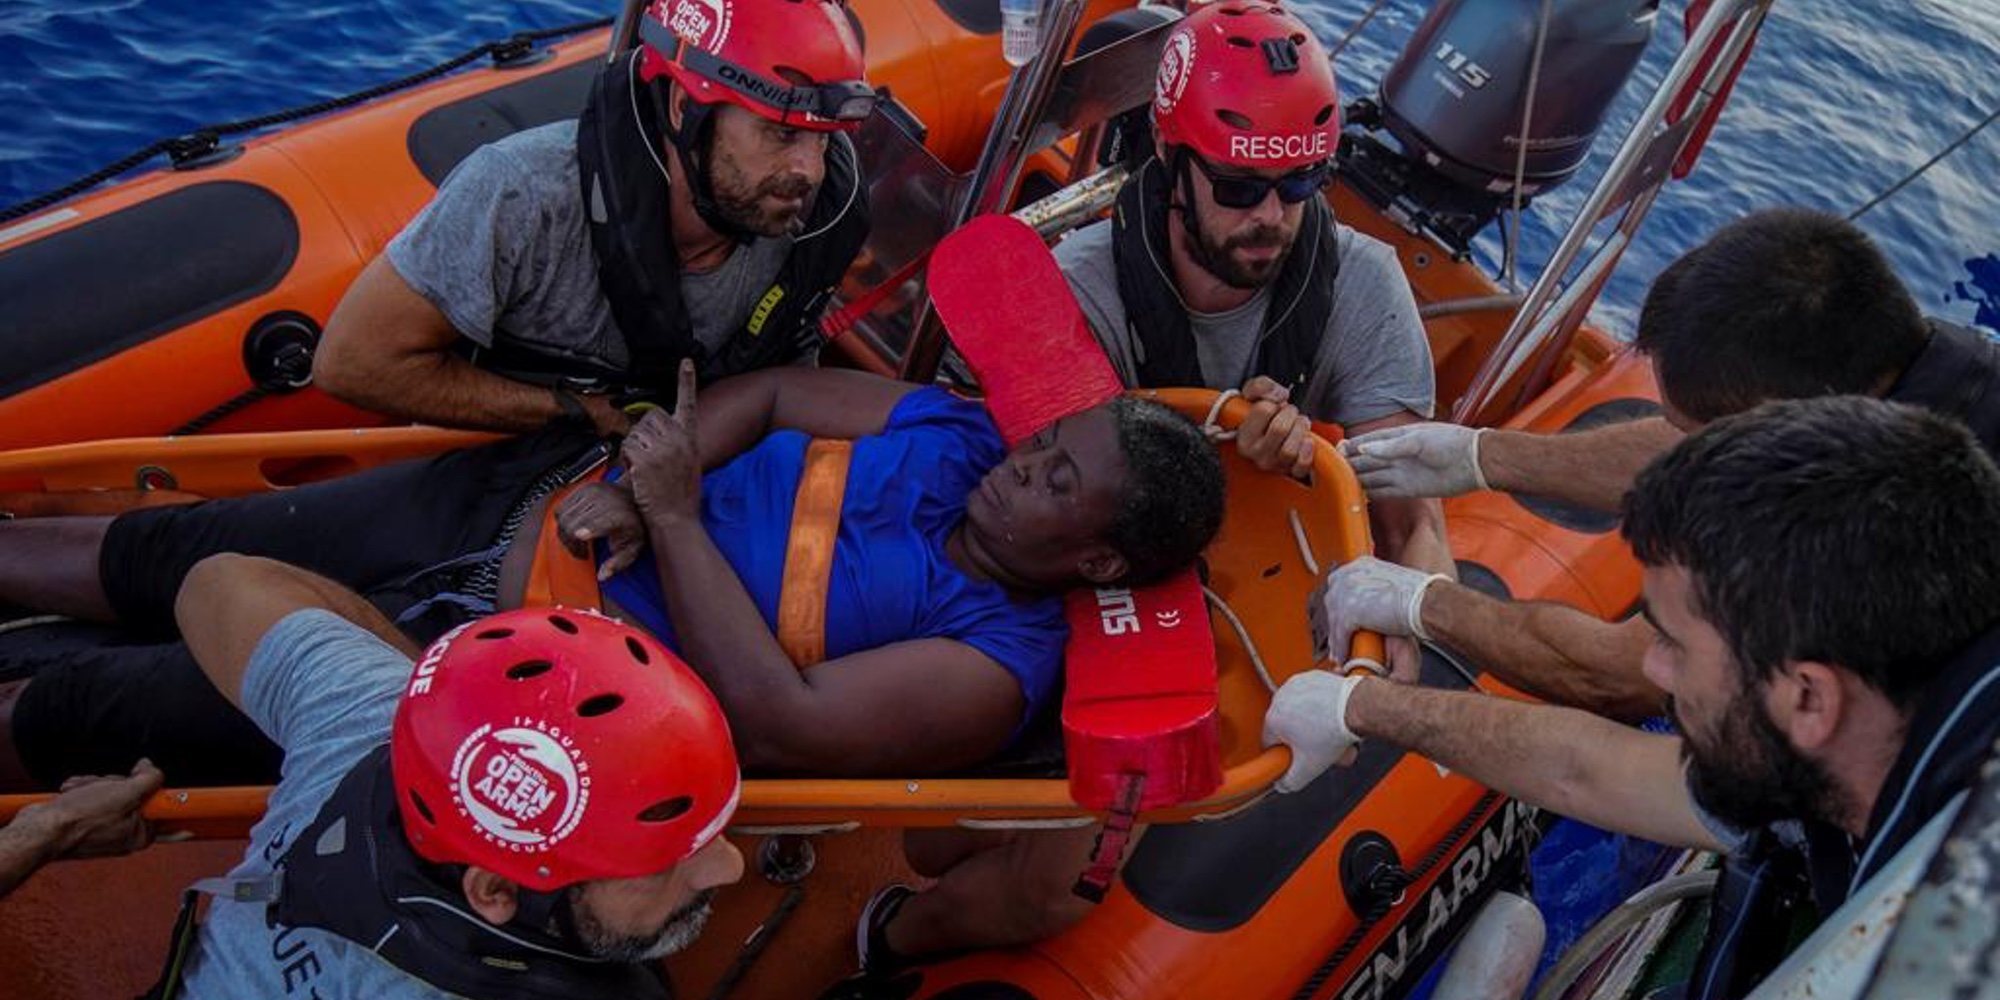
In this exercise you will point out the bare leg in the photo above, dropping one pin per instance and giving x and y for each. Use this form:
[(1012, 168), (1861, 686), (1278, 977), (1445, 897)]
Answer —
[(933, 851), (1012, 894), (49, 564)]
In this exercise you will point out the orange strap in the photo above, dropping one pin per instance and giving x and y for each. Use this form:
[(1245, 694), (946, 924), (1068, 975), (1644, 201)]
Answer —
[(557, 577), (809, 555)]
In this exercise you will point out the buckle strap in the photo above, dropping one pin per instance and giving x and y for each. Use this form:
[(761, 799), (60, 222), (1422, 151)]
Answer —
[(1109, 852)]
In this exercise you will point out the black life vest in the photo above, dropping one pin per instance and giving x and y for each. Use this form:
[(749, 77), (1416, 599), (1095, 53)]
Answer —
[(352, 873), (1295, 321), (620, 142), (1957, 374)]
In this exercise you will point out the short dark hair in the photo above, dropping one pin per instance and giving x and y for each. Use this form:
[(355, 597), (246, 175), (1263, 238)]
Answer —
[(1842, 529), (1781, 304), (1172, 506)]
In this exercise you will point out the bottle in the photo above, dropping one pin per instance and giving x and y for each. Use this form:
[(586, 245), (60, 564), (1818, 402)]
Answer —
[(1020, 30)]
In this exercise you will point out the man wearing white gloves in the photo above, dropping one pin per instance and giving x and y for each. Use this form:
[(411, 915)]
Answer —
[(1838, 672), (1782, 304)]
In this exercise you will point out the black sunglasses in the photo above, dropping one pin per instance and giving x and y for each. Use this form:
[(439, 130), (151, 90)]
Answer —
[(845, 101), (1238, 191)]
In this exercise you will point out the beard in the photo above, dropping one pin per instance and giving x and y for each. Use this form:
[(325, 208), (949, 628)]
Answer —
[(742, 201), (1752, 776), (682, 928), (1219, 257)]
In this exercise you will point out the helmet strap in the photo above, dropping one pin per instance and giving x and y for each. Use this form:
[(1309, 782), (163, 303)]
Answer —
[(1180, 173), (553, 913), (690, 142)]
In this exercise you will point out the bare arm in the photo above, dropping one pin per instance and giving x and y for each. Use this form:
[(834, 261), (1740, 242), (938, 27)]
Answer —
[(388, 349), (92, 817), (1590, 468), (1564, 760), (228, 602), (1550, 650), (738, 412)]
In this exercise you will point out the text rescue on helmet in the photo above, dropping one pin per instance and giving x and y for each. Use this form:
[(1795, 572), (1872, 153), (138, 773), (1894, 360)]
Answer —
[(1280, 147)]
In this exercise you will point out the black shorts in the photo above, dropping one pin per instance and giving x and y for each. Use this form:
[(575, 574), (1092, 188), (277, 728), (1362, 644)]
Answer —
[(421, 539)]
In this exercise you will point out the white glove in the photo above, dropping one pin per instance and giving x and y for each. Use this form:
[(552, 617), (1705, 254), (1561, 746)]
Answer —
[(1417, 460), (1309, 715), (1367, 593)]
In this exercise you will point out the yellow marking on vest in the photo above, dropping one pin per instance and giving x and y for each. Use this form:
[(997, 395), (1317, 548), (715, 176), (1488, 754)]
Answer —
[(764, 307)]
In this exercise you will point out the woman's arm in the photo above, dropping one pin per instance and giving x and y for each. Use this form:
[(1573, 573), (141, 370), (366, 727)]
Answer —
[(912, 707), (738, 412)]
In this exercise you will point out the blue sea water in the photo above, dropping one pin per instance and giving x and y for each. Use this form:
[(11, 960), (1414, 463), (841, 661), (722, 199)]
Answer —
[(1841, 100)]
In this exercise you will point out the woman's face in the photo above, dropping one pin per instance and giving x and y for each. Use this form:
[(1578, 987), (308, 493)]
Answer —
[(1043, 512)]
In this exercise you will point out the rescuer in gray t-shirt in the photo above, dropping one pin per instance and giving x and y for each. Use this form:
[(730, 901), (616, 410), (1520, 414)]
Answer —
[(1373, 361), (702, 206)]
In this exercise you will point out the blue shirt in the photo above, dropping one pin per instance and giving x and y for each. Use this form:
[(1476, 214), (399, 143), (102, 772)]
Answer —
[(891, 581), (324, 690)]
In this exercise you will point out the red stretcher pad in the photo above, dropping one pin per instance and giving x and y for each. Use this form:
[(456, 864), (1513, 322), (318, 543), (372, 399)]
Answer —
[(1140, 695)]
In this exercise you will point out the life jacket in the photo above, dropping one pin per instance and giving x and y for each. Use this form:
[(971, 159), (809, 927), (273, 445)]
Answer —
[(352, 873), (1762, 889), (1957, 374), (620, 143), (1295, 320)]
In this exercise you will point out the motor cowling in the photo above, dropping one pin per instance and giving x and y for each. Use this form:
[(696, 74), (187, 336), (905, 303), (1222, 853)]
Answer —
[(1454, 97)]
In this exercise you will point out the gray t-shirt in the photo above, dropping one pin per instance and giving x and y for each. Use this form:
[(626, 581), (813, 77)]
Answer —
[(325, 690), (503, 252), (1373, 362)]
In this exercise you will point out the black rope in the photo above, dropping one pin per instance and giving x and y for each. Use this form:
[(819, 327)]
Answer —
[(205, 139), (1920, 171), (224, 409)]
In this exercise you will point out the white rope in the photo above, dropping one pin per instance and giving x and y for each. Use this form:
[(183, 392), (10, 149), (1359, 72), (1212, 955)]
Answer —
[(33, 622), (1305, 547), (1215, 431), (1366, 17), (1242, 635)]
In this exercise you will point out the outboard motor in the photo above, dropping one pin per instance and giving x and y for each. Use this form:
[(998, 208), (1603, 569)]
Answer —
[(1453, 101)]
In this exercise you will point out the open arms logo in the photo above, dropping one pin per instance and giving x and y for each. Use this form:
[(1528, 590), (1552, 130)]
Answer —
[(525, 787), (1176, 66), (704, 23)]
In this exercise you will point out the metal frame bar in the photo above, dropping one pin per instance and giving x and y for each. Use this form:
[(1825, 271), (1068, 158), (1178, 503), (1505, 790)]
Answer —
[(1029, 91), (625, 30), (1549, 316)]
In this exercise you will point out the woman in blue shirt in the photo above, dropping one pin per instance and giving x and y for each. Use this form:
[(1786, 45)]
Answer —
[(942, 611)]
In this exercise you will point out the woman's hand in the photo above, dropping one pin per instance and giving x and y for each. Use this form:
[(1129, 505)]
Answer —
[(602, 512), (663, 462)]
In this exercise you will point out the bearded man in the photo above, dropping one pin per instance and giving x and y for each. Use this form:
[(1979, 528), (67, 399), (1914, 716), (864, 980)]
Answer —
[(1823, 577), (703, 206)]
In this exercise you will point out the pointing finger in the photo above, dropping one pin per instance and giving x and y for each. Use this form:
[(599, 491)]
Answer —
[(684, 399)]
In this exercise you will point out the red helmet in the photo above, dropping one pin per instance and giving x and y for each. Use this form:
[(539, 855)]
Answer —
[(1244, 83), (797, 62), (552, 746)]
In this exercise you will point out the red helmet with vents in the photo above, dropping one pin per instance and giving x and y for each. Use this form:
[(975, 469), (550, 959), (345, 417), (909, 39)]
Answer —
[(1245, 83), (552, 746), (797, 62)]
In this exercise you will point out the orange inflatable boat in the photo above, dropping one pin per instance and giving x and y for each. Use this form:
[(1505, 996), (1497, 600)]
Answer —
[(1351, 889), (227, 269)]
